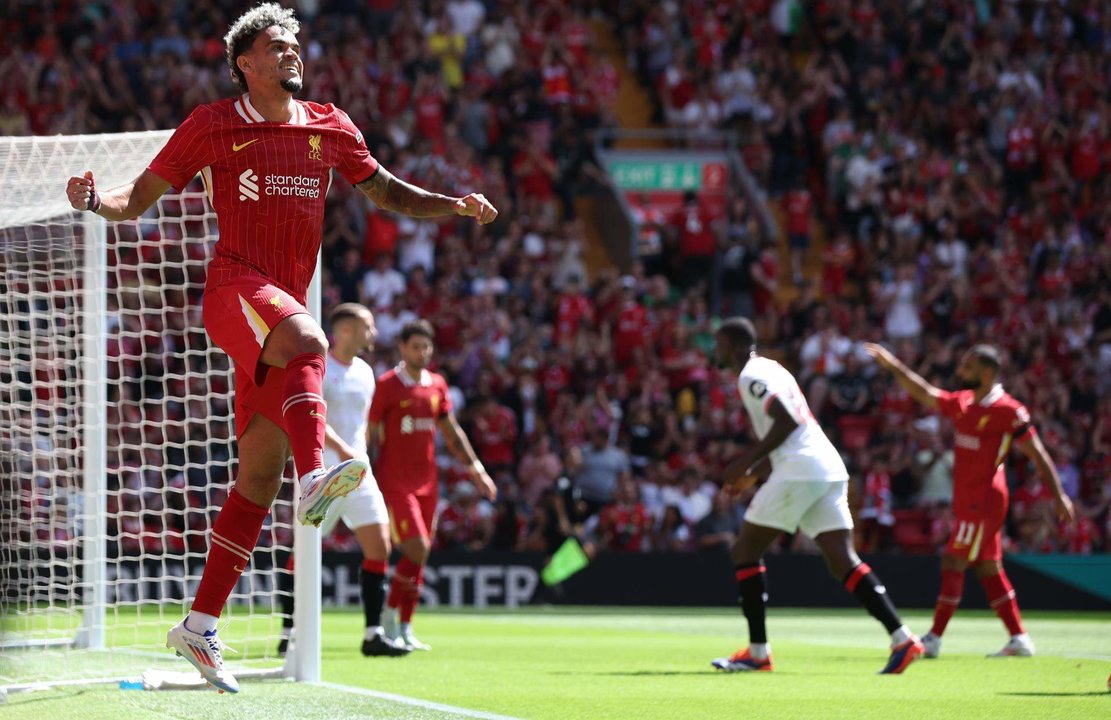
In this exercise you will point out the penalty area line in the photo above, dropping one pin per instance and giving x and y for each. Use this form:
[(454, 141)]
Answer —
[(415, 702)]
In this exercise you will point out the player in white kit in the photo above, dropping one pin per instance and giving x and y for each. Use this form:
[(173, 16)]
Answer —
[(807, 490), (348, 391)]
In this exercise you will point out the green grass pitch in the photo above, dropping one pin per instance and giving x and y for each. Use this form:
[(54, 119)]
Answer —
[(571, 663)]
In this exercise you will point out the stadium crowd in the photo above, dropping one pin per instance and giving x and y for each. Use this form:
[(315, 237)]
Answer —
[(940, 169)]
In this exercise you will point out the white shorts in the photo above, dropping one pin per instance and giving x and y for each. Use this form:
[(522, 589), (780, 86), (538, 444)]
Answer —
[(362, 506), (813, 506)]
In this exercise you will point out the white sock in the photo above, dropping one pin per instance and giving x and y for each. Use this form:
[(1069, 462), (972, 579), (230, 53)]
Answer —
[(759, 651), (405, 628), (1021, 637), (200, 622), (901, 635), (370, 632)]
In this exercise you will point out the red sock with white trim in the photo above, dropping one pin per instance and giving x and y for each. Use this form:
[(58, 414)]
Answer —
[(403, 581), (303, 410), (233, 539), (412, 598), (1001, 597), (952, 589)]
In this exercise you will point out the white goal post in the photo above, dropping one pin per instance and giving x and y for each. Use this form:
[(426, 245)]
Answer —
[(116, 433)]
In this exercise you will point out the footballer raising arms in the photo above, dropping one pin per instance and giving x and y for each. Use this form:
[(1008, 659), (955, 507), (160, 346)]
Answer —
[(266, 159), (987, 421), (410, 404)]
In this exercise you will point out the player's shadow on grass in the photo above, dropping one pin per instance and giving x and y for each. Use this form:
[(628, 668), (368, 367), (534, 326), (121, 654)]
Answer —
[(16, 701), (1056, 694), (645, 673)]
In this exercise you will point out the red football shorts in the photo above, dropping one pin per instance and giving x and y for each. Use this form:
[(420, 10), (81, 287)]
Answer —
[(979, 536), (412, 513), (238, 316)]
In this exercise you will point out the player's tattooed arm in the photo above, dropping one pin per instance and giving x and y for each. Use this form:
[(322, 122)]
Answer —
[(460, 447), (922, 391), (391, 193)]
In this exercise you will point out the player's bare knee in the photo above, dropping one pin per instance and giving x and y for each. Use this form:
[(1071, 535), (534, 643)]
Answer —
[(312, 342), (293, 336), (952, 562), (987, 568), (259, 487), (422, 548)]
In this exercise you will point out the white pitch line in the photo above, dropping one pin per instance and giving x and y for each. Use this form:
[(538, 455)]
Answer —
[(416, 702)]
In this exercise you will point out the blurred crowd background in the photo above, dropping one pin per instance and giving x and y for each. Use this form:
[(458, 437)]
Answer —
[(938, 171)]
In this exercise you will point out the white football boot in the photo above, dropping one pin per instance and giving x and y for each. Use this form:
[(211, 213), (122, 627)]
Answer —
[(1018, 646), (321, 488), (203, 651)]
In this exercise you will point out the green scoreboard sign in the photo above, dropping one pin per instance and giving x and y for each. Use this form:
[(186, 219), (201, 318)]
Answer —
[(665, 175)]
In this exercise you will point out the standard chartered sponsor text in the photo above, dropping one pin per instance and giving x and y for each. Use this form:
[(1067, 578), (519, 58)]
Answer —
[(293, 186)]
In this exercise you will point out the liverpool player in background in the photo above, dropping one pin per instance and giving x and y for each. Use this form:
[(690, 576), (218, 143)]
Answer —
[(409, 405), (987, 421), (266, 160), (807, 490), (349, 391)]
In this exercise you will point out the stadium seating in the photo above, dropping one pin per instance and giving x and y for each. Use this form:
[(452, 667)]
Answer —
[(958, 185)]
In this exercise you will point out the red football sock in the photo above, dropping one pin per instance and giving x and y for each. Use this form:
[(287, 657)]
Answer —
[(1001, 596), (304, 411), (410, 601), (404, 579), (234, 535), (952, 588)]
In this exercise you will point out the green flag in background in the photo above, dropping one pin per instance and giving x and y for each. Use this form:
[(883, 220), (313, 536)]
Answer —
[(565, 562)]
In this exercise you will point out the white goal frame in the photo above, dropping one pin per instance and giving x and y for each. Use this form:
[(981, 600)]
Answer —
[(43, 199)]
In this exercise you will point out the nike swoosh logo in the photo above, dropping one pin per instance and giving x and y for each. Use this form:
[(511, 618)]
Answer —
[(237, 147), (239, 569), (313, 413), (406, 403)]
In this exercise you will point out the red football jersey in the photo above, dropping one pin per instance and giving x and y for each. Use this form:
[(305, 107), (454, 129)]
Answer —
[(628, 524), (494, 437), (984, 434), (267, 183), (407, 411)]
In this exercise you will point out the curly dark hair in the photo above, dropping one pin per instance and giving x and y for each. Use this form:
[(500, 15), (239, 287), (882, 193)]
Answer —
[(242, 33)]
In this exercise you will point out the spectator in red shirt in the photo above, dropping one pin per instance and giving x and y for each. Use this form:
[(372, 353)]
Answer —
[(798, 204), (465, 524), (495, 434), (875, 515), (573, 311), (428, 106), (696, 239), (536, 172), (624, 525), (632, 328)]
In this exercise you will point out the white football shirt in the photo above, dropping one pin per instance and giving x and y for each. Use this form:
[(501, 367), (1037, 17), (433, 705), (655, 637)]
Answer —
[(806, 454), (348, 390)]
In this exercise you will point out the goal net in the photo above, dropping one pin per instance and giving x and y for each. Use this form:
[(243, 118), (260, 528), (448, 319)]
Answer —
[(116, 432)]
